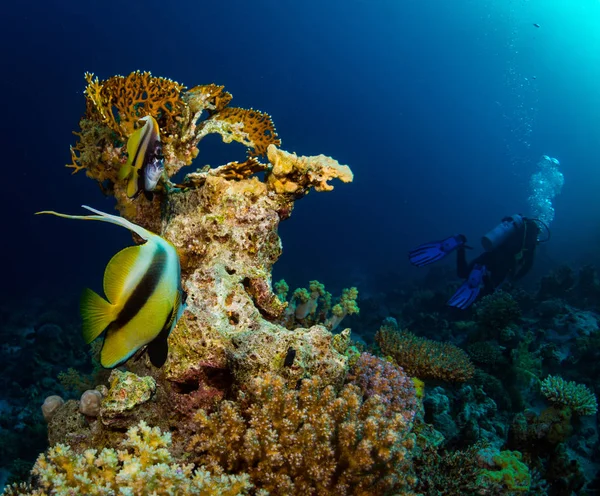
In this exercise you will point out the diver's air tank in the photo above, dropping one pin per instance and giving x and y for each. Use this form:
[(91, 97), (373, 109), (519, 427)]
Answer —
[(501, 232)]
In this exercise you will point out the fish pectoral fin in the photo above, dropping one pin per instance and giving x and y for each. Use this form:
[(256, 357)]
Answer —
[(158, 350), (97, 314), (116, 349)]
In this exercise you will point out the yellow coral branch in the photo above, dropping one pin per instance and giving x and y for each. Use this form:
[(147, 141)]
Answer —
[(293, 174)]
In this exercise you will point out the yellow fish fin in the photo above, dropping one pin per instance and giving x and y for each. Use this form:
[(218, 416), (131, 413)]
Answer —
[(104, 217), (158, 349), (133, 184), (116, 348), (97, 314), (117, 270), (134, 142), (125, 171)]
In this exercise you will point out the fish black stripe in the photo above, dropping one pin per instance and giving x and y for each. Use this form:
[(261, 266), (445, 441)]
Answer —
[(141, 145), (144, 289)]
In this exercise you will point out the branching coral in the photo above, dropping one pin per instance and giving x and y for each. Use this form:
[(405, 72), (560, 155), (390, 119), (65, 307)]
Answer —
[(307, 441), (120, 101), (114, 107), (144, 466), (450, 473), (570, 394), (425, 358), (251, 128)]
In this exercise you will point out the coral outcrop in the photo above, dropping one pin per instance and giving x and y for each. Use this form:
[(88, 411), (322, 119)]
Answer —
[(231, 361), (223, 222)]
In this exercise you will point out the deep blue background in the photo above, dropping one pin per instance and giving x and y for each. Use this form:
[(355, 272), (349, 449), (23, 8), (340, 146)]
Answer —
[(429, 102)]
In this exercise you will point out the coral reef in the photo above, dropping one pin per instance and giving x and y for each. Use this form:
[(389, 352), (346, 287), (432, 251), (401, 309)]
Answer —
[(261, 394), (425, 358), (143, 466), (308, 440), (466, 417), (223, 222)]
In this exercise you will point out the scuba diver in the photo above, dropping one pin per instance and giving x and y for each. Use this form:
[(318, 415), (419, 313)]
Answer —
[(509, 253)]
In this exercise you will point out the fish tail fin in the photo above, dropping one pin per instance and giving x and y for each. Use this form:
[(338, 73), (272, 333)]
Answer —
[(104, 217), (97, 314)]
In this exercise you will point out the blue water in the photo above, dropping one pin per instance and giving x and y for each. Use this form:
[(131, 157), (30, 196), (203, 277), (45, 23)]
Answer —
[(442, 108), (427, 102), (433, 105)]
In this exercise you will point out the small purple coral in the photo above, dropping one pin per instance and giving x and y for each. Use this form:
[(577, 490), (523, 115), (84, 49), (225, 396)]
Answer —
[(375, 376)]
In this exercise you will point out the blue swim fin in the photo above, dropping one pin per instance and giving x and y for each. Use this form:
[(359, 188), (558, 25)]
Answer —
[(469, 290), (436, 250)]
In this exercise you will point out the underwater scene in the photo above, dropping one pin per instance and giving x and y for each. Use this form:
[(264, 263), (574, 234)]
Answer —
[(320, 247)]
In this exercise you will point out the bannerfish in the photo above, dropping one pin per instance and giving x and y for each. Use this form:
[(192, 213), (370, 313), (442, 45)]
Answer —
[(145, 162), (144, 298)]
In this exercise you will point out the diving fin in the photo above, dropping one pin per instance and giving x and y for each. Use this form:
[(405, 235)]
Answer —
[(436, 250), (469, 290)]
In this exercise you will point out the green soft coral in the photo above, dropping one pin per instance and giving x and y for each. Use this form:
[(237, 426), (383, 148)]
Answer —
[(346, 306), (509, 476)]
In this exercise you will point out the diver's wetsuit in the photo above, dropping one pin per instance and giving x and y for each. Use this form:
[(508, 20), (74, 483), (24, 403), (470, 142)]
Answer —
[(512, 258)]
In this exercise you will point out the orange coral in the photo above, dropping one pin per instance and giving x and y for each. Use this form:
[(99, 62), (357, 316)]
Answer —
[(295, 175), (425, 358), (239, 170), (307, 441), (121, 101), (248, 126), (210, 97)]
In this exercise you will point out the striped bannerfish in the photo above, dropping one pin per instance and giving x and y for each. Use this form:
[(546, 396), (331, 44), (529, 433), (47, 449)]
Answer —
[(144, 297), (144, 165)]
